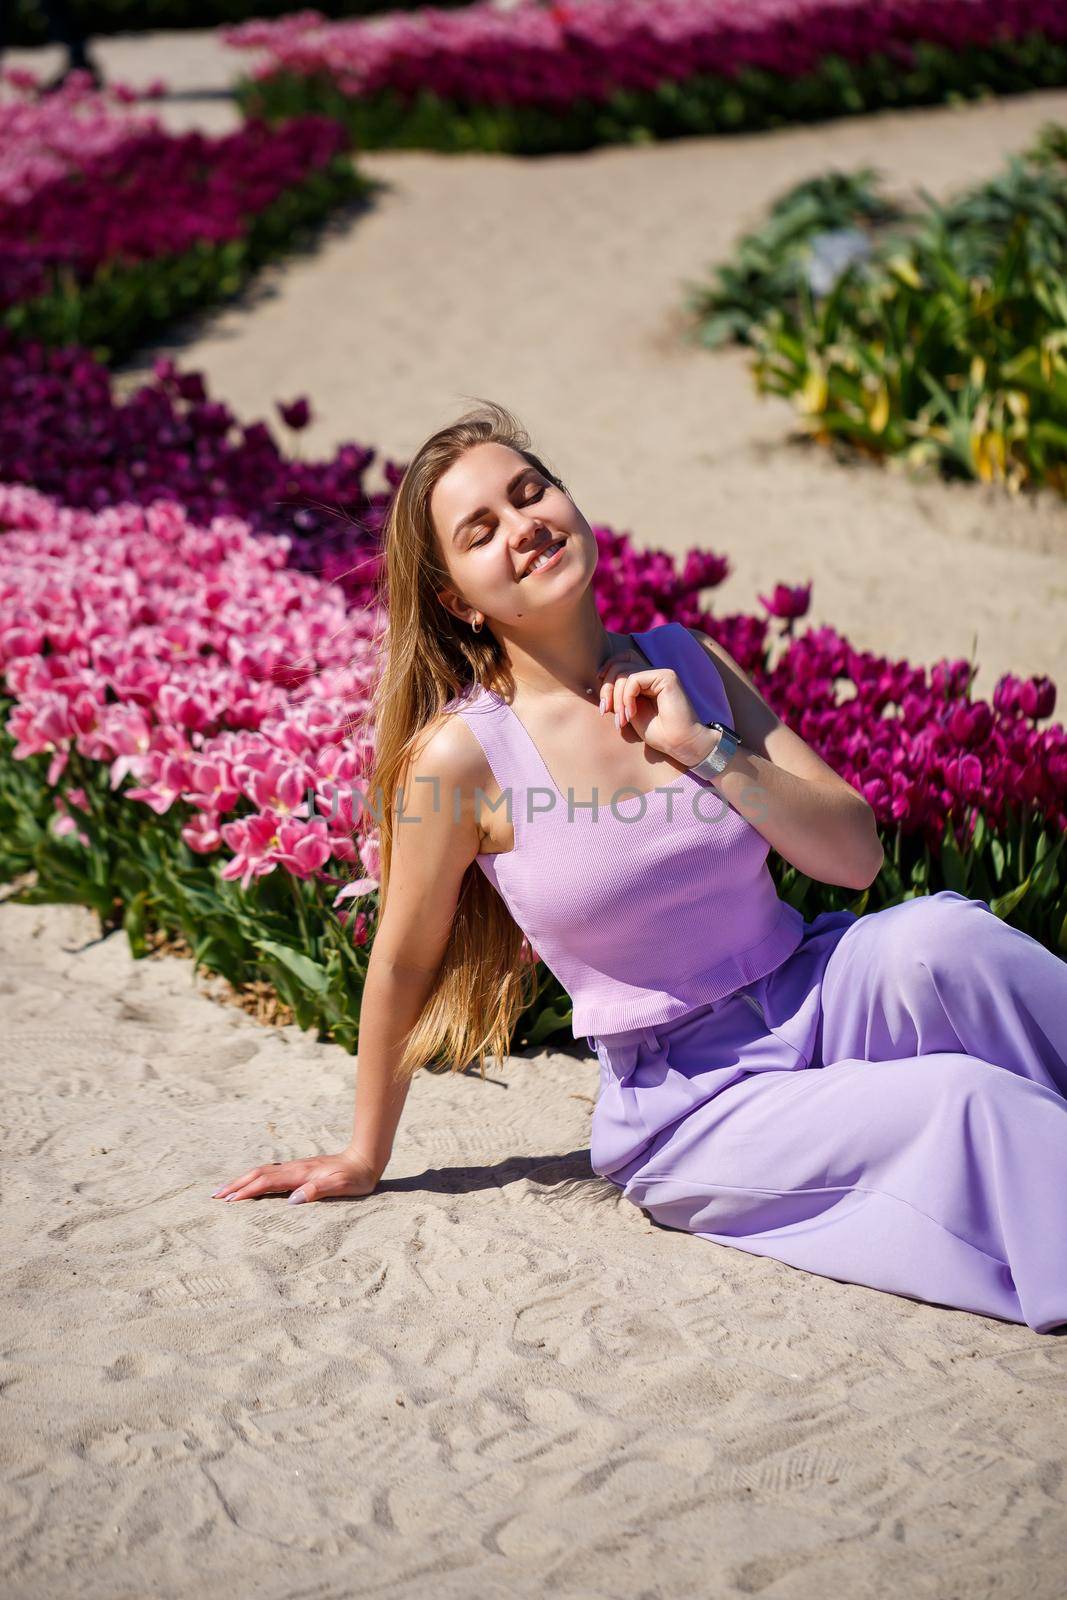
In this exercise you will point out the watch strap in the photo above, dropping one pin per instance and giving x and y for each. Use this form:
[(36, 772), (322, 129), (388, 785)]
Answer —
[(719, 758)]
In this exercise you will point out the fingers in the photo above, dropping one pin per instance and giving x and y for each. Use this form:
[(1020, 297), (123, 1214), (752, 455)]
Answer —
[(274, 1178), (619, 692), (227, 1188), (612, 677), (306, 1180)]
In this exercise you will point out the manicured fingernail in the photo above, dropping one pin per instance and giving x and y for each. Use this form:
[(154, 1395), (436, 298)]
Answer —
[(218, 1191), (231, 1197), (617, 719), (297, 1197)]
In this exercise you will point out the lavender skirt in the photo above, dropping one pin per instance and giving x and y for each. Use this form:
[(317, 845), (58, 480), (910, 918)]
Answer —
[(888, 1107)]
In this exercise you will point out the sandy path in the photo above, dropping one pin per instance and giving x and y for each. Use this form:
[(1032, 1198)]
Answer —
[(493, 1377)]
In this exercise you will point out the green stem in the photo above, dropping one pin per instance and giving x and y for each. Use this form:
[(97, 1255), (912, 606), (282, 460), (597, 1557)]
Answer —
[(301, 915)]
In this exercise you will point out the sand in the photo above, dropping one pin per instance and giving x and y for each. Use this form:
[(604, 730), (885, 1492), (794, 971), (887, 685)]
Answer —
[(494, 1377)]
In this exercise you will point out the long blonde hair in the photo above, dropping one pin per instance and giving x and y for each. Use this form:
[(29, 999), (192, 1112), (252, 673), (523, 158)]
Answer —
[(488, 974)]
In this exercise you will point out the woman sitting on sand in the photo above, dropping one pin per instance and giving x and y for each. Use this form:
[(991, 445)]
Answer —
[(878, 1099)]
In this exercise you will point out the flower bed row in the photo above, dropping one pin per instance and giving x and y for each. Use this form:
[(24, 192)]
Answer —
[(537, 78), (185, 745), (110, 226), (65, 431), (935, 334)]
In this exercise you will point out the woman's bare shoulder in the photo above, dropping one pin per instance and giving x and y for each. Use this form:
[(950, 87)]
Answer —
[(447, 748)]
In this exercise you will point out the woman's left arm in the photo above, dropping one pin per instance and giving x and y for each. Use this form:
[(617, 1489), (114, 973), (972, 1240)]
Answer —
[(804, 809)]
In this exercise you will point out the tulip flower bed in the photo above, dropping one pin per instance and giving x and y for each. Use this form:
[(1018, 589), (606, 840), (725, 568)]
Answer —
[(538, 78), (64, 431), (937, 335), (184, 746), (110, 226), (176, 695)]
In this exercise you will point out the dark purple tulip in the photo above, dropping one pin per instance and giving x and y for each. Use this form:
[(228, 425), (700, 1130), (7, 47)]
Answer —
[(970, 724), (950, 678), (704, 570), (295, 415), (787, 602), (1028, 697), (191, 386)]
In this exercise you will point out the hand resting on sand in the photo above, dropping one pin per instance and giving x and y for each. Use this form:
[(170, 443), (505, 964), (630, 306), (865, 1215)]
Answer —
[(314, 1178)]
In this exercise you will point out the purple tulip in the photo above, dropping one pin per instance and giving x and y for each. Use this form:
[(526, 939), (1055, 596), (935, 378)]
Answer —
[(786, 602), (295, 415), (1028, 697)]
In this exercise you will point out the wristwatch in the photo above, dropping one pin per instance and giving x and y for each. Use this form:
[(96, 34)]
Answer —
[(721, 756)]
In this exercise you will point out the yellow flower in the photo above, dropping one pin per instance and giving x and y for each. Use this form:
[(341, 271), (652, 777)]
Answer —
[(903, 268), (879, 415), (989, 452), (815, 392)]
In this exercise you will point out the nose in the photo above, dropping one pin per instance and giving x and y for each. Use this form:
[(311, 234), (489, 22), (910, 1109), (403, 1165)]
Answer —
[(528, 529), (528, 536)]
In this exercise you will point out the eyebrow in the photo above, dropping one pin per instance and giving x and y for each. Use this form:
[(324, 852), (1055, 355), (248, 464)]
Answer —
[(482, 511)]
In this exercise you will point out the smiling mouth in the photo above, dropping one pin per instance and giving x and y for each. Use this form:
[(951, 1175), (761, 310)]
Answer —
[(543, 555)]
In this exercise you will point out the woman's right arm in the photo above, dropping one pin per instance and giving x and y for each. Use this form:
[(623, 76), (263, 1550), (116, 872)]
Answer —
[(433, 845)]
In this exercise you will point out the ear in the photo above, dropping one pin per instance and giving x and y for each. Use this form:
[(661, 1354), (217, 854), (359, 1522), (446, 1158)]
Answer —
[(456, 606)]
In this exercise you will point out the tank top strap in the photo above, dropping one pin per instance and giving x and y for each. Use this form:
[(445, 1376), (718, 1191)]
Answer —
[(672, 645), (502, 737)]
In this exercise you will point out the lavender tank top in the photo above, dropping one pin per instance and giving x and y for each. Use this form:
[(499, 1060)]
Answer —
[(656, 905)]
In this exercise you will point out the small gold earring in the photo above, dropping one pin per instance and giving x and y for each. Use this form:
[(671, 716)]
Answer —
[(476, 627)]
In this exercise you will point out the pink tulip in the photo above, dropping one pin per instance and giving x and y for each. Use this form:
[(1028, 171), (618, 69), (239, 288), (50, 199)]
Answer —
[(357, 887), (211, 786), (279, 788), (202, 836), (303, 847), (170, 776), (254, 842)]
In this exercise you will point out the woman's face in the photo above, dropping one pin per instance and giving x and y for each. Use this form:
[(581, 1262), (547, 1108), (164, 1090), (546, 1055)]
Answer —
[(493, 514)]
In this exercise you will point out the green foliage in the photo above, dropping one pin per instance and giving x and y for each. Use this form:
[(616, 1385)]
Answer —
[(136, 872), (947, 346), (771, 263), (702, 104)]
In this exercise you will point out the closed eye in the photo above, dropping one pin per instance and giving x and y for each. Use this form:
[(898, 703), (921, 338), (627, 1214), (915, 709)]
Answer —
[(528, 502)]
